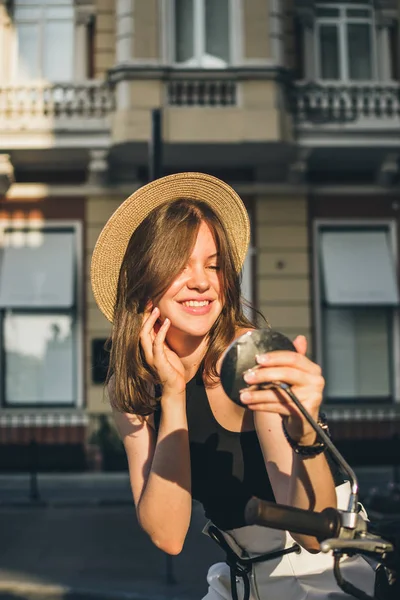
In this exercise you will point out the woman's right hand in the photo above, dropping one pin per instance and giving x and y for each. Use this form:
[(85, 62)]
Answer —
[(159, 356)]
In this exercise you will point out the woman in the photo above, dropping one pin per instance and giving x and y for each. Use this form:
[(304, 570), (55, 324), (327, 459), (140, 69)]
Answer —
[(165, 271)]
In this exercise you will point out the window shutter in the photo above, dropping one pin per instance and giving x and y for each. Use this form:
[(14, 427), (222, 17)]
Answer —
[(358, 269), (37, 269)]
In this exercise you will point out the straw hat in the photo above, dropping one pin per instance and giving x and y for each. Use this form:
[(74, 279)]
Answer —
[(112, 242)]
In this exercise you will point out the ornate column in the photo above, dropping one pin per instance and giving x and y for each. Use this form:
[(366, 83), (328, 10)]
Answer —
[(305, 10), (85, 13), (387, 15), (276, 31), (97, 174), (125, 28), (124, 47)]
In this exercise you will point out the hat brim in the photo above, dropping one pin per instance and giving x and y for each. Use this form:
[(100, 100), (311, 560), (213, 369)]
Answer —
[(113, 240)]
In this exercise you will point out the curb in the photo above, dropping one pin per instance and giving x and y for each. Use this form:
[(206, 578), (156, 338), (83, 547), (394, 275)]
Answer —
[(39, 591)]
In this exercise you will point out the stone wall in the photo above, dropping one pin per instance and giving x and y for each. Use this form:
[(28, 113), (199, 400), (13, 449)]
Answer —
[(282, 276)]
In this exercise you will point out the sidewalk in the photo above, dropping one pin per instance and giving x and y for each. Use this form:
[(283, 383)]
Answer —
[(113, 489), (65, 489), (81, 541)]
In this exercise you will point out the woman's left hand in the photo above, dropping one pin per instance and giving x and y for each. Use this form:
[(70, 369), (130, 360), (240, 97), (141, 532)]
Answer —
[(298, 371)]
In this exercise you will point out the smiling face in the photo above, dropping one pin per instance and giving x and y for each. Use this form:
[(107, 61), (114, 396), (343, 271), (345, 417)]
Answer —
[(171, 262), (193, 301)]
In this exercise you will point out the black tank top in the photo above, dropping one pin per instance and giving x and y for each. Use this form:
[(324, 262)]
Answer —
[(227, 468)]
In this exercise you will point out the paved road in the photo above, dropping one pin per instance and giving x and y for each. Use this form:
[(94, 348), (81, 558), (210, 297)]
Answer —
[(99, 549), (81, 541)]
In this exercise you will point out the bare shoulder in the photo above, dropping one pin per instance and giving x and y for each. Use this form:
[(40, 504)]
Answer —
[(127, 424)]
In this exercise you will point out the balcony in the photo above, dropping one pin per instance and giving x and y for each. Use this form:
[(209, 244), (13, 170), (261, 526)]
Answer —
[(201, 92), (230, 117), (337, 114), (55, 115)]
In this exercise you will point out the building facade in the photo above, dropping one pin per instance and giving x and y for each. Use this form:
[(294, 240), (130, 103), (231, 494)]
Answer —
[(296, 103)]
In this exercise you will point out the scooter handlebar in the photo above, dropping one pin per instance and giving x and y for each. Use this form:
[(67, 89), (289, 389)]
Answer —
[(322, 525)]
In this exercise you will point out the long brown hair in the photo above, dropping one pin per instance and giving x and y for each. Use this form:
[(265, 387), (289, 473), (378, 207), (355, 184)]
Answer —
[(157, 252)]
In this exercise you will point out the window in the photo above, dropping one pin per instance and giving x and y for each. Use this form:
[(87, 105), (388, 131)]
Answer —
[(44, 33), (202, 33), (357, 293), (345, 41), (39, 317)]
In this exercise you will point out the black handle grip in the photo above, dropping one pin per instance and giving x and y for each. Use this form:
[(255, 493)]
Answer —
[(322, 525)]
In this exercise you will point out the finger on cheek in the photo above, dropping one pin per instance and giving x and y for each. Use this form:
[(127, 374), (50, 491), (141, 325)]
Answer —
[(150, 317), (164, 327)]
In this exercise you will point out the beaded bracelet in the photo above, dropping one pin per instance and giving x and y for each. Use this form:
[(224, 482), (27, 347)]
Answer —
[(313, 449)]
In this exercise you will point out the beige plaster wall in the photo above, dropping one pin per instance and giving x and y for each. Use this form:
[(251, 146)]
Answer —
[(134, 122), (257, 117), (146, 43), (104, 50), (7, 33), (98, 210), (256, 29), (282, 276)]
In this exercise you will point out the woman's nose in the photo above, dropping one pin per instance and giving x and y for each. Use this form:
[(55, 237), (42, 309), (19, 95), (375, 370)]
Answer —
[(198, 280)]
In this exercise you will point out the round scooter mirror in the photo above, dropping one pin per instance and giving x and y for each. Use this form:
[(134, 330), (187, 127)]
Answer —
[(241, 356)]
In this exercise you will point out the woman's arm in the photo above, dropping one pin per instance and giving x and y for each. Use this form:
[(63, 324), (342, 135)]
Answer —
[(302, 482), (159, 465), (159, 471)]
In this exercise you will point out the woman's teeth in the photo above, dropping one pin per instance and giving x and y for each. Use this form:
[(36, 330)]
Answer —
[(196, 303)]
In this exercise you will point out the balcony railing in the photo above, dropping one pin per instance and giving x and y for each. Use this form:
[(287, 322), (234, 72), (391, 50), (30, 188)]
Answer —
[(370, 105), (202, 92), (58, 106)]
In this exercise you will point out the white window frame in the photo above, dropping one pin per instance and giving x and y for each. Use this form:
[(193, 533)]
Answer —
[(372, 224), (76, 311), (79, 47), (341, 23), (169, 41), (3, 25)]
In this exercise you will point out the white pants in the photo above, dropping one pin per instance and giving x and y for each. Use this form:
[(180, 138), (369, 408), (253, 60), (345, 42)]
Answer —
[(302, 576)]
